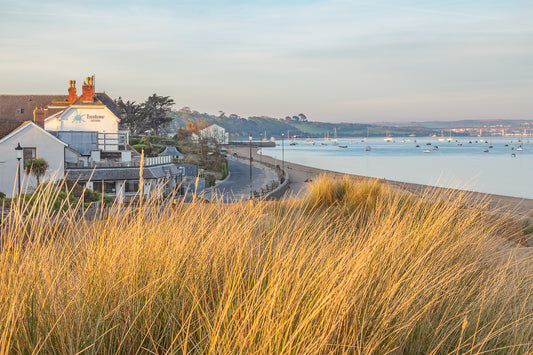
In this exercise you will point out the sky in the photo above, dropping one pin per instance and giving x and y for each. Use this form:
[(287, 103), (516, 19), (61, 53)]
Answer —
[(333, 60)]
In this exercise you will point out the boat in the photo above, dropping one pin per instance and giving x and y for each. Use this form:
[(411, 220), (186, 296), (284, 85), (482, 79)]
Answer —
[(367, 148), (417, 146), (485, 150), (265, 139), (334, 140), (293, 143), (323, 144), (435, 148), (343, 146), (428, 143), (513, 155), (388, 138), (460, 144), (427, 151), (520, 149), (512, 148)]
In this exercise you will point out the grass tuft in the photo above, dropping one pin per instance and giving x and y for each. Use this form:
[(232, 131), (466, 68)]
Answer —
[(356, 267)]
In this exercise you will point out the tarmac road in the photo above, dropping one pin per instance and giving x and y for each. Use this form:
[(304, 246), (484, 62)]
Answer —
[(237, 186)]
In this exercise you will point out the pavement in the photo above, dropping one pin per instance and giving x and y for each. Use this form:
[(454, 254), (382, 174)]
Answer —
[(236, 187)]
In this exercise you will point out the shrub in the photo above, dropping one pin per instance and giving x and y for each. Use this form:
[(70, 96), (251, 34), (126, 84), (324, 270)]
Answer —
[(141, 146)]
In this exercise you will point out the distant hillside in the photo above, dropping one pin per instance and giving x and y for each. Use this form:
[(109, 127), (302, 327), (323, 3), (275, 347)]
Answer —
[(465, 124), (257, 126)]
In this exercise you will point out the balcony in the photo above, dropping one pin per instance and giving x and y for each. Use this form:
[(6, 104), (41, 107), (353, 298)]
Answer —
[(118, 162)]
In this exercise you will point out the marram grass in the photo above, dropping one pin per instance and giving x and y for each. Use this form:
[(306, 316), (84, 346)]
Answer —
[(354, 268)]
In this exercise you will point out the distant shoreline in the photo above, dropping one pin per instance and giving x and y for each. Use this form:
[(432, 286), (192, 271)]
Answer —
[(301, 176)]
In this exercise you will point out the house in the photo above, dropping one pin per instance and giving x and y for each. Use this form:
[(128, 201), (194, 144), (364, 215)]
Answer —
[(173, 152), (212, 133), (35, 143), (98, 153)]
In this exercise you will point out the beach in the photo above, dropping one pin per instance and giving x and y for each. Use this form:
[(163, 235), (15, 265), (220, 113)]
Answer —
[(301, 176)]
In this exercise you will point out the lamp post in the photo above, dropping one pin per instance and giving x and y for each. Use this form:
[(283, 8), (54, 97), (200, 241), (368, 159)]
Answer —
[(250, 138), (181, 174), (261, 150), (282, 153), (19, 151)]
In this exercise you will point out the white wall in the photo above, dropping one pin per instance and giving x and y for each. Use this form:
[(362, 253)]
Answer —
[(84, 118), (48, 148)]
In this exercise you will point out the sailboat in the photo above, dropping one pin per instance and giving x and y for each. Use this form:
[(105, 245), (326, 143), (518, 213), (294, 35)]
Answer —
[(450, 139), (265, 139), (388, 138), (367, 148), (441, 139), (334, 140)]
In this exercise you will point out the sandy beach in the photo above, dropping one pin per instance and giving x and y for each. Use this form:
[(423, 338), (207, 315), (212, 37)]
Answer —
[(301, 176)]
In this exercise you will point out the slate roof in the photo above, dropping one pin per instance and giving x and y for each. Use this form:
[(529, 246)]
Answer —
[(8, 126), (172, 151), (106, 100), (189, 169), (20, 107), (110, 174)]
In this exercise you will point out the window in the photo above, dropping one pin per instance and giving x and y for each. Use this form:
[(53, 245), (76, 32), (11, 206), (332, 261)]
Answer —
[(29, 154), (109, 187), (131, 186)]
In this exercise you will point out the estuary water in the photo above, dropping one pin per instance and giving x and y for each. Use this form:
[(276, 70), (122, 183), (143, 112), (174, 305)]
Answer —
[(502, 165)]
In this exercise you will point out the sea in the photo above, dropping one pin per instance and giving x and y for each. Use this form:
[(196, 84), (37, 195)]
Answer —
[(497, 165)]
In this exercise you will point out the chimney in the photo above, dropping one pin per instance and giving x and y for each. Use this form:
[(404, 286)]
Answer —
[(88, 90), (38, 116), (72, 97)]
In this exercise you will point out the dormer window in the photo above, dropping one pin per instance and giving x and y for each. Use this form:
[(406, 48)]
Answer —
[(20, 110)]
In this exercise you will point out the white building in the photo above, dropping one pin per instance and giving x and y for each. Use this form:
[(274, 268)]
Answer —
[(98, 154), (212, 133), (36, 143)]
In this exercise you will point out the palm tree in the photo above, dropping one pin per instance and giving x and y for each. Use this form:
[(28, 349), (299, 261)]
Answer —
[(36, 167)]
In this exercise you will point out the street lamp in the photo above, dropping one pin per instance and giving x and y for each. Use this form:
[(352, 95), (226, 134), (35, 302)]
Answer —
[(261, 150), (19, 150), (282, 153), (250, 138)]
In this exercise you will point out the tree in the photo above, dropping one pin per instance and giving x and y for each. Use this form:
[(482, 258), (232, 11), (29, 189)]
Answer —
[(36, 167), (132, 115), (302, 117), (156, 109)]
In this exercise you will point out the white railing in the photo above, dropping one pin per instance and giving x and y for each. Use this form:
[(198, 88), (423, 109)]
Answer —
[(165, 159)]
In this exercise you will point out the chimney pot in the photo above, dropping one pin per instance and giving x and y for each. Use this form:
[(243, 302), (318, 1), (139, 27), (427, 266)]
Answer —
[(72, 96)]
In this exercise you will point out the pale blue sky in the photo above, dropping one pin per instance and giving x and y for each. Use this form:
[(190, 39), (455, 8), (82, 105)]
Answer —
[(335, 60)]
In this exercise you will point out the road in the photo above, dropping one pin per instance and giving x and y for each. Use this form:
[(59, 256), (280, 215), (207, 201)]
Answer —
[(237, 186)]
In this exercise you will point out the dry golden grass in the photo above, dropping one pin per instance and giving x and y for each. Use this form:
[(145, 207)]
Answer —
[(353, 268)]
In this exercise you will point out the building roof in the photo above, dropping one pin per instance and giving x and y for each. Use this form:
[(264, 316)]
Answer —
[(20, 107), (109, 102), (28, 124), (129, 173), (172, 151)]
